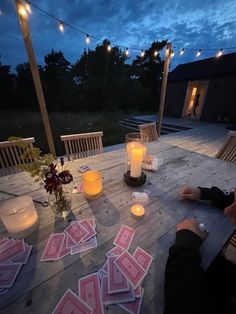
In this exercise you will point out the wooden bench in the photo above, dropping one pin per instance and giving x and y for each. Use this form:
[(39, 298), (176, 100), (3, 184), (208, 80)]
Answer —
[(228, 150), (10, 155), (82, 145), (149, 130)]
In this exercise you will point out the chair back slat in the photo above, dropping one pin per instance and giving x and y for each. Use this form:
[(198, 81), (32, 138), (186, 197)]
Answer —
[(82, 145), (149, 130), (10, 155), (228, 149)]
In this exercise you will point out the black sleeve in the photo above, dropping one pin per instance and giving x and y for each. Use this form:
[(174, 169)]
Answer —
[(185, 291), (218, 197)]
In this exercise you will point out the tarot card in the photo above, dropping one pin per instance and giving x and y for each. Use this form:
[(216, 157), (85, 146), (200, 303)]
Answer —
[(130, 268), (64, 250), (84, 168), (92, 222), (102, 273), (138, 292), (53, 247), (116, 280), (76, 232), (8, 273), (90, 230), (89, 291), (12, 251), (23, 257), (90, 244), (3, 241), (115, 251), (135, 306), (71, 303), (124, 237), (143, 258), (69, 242), (115, 298)]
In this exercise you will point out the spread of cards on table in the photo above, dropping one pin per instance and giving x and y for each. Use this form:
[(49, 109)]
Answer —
[(80, 236), (13, 254), (117, 282)]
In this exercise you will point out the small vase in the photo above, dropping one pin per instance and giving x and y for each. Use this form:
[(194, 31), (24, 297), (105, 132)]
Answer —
[(60, 202)]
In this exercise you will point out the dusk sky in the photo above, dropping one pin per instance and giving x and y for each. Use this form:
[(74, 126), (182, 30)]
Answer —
[(186, 23)]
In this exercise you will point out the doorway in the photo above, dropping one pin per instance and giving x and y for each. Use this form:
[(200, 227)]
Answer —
[(194, 99)]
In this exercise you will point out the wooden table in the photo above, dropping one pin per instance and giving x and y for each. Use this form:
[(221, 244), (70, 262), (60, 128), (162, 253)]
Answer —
[(40, 285)]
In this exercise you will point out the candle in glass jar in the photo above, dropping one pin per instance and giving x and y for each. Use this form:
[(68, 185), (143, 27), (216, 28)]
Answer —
[(19, 216), (136, 162), (137, 211), (92, 183)]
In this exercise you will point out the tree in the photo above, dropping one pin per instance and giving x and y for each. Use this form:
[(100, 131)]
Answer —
[(58, 82), (148, 69), (102, 77), (7, 87)]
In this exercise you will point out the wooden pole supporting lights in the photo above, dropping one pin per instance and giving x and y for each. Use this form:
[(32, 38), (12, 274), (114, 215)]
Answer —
[(135, 151)]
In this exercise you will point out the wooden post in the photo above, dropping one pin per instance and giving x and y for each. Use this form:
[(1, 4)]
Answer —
[(163, 87), (22, 15)]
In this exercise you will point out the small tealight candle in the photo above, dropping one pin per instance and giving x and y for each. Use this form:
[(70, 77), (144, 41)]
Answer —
[(137, 211)]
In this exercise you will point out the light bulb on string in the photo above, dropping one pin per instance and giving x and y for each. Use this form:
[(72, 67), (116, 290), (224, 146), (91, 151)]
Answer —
[(0, 12), (181, 51), (220, 53), (155, 53), (109, 48), (61, 27), (172, 54), (142, 54), (28, 8), (199, 52), (87, 39), (22, 11), (127, 52)]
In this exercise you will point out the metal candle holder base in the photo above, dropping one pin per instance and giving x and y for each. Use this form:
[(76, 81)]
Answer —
[(131, 181)]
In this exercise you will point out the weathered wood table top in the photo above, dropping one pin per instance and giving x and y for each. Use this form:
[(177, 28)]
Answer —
[(40, 285)]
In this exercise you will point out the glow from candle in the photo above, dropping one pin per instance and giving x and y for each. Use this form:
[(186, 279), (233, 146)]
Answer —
[(137, 211), (92, 183)]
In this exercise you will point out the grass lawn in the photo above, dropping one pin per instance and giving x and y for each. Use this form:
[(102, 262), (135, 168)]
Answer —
[(29, 124)]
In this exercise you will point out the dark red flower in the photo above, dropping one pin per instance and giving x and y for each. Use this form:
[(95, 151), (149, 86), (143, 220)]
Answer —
[(65, 177)]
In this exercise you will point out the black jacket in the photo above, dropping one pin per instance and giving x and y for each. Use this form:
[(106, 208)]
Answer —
[(186, 290)]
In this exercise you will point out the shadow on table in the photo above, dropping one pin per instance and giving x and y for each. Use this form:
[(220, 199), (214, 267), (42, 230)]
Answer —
[(104, 211)]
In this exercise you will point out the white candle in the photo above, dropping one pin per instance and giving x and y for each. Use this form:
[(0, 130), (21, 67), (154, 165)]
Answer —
[(19, 216), (136, 162), (92, 183), (137, 211)]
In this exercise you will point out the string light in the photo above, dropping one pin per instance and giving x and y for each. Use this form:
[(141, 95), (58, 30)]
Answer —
[(220, 53), (87, 39), (142, 54), (181, 51), (0, 12), (28, 8), (61, 27), (22, 11), (127, 52), (172, 54), (198, 53)]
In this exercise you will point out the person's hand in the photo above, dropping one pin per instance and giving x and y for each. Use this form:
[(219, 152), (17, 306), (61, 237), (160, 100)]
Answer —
[(190, 192), (192, 225), (230, 211)]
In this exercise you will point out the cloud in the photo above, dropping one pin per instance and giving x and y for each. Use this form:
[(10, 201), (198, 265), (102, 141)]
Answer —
[(196, 24)]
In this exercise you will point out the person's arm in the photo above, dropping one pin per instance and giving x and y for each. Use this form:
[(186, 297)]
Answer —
[(185, 291), (218, 197)]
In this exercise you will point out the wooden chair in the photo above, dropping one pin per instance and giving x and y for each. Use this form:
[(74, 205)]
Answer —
[(150, 130), (82, 145), (228, 149), (10, 155)]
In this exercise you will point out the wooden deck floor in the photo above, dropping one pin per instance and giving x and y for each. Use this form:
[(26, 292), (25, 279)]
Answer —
[(205, 139)]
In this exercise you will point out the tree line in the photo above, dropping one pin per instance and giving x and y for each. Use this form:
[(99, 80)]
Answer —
[(98, 80)]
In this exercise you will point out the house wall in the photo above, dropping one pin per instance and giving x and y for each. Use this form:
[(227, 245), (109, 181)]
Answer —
[(220, 100), (175, 98)]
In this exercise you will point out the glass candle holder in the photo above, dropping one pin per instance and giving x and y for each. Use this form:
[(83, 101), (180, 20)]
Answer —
[(19, 216), (92, 184), (135, 149)]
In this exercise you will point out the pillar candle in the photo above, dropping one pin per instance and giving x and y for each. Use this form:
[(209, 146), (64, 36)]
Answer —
[(136, 162), (92, 183)]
